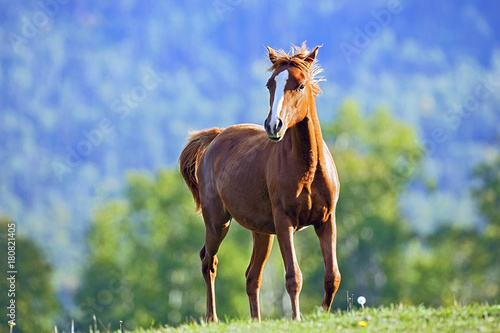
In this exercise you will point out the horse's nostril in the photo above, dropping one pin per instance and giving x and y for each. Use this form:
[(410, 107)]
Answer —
[(266, 124), (280, 124)]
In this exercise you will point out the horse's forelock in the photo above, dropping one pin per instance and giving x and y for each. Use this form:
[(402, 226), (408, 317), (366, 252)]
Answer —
[(297, 58)]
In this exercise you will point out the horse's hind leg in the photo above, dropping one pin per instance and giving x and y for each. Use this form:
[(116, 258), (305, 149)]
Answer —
[(262, 245), (217, 222), (327, 238)]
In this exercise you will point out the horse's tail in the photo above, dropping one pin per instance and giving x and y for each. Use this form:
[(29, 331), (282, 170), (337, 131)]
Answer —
[(190, 157)]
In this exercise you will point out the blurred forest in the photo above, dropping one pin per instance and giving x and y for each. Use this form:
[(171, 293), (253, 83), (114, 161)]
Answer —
[(96, 101)]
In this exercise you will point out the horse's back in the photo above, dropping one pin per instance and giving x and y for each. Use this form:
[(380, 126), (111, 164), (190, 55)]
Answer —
[(245, 135), (242, 141)]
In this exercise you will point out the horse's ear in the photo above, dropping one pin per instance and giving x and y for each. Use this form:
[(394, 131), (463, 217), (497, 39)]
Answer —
[(312, 56), (272, 55)]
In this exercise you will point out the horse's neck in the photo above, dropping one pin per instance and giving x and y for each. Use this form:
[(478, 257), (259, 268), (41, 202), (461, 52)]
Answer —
[(307, 140)]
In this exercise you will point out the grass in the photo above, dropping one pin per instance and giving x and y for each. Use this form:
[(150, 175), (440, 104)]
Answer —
[(473, 318)]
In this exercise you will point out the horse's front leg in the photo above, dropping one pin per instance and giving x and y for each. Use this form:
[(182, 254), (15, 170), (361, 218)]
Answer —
[(293, 275), (262, 245), (327, 235)]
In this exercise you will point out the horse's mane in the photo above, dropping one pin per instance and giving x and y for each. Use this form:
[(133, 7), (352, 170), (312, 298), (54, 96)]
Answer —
[(297, 58)]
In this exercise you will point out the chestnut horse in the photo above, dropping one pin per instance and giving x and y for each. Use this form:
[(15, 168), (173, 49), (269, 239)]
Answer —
[(272, 180)]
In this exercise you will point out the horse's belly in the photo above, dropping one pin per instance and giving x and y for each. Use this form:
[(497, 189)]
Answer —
[(262, 226), (249, 205)]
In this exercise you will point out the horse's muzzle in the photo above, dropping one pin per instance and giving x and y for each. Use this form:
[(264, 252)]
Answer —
[(273, 129)]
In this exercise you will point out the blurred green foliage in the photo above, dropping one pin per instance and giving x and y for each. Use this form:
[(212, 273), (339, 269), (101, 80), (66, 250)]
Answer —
[(143, 267), (487, 196), (36, 304), (460, 265)]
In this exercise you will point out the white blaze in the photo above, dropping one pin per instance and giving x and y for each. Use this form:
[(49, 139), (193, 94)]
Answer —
[(279, 95)]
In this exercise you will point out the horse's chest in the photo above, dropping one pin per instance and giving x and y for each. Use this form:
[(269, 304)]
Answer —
[(312, 204)]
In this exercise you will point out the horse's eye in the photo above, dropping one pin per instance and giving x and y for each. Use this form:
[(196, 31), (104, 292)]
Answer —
[(301, 87)]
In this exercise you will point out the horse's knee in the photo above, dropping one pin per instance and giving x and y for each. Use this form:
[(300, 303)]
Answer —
[(252, 287), (294, 281), (338, 278), (332, 282), (253, 284)]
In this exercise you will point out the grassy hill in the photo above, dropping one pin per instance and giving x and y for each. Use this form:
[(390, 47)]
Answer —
[(473, 318)]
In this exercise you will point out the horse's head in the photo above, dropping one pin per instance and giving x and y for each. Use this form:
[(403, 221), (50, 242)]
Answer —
[(292, 86)]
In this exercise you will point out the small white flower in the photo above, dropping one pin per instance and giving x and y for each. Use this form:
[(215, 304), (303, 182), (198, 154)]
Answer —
[(361, 300)]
